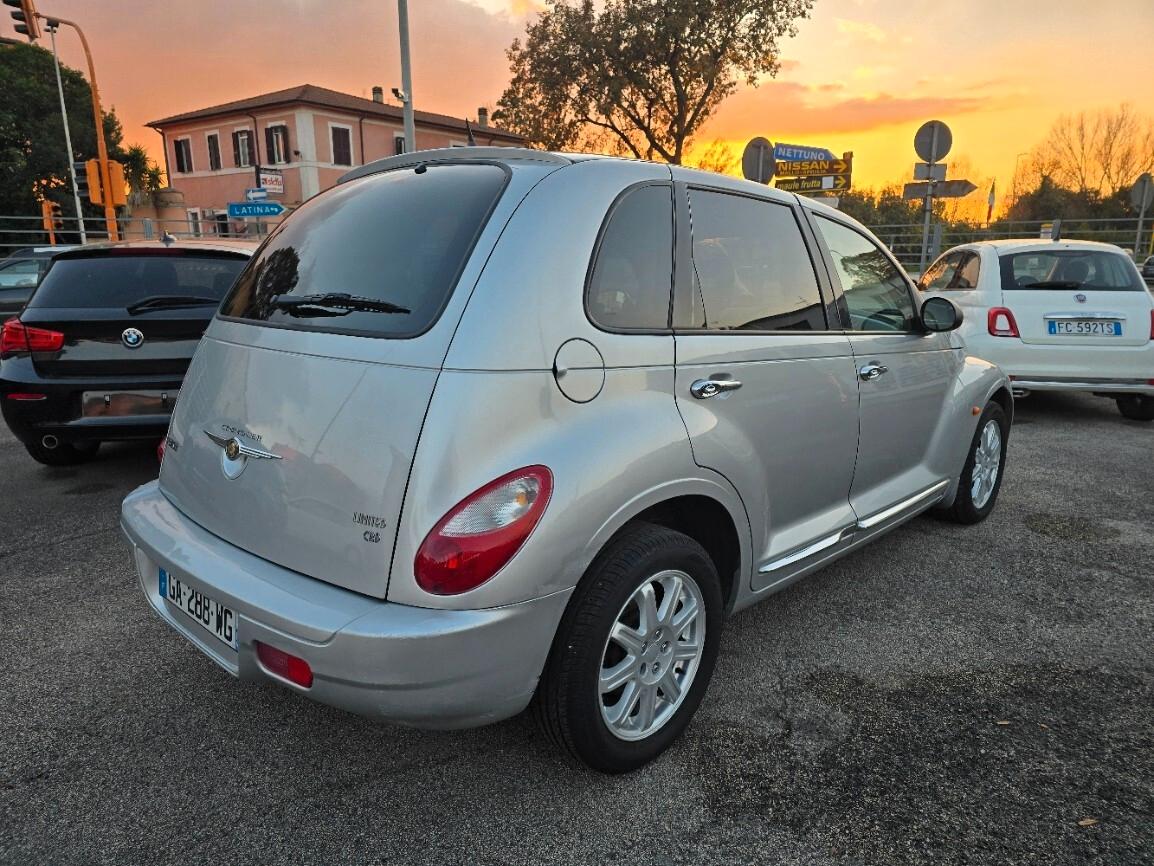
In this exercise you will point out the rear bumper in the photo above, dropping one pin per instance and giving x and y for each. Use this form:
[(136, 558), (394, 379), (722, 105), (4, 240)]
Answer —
[(60, 412), (417, 666), (1098, 386)]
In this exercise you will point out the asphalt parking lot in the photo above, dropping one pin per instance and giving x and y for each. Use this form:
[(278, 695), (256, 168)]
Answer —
[(948, 695)]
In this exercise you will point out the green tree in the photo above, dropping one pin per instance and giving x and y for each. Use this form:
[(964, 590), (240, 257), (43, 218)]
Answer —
[(33, 162), (638, 77)]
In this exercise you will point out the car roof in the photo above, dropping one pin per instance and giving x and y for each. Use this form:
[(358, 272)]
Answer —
[(244, 247), (1037, 245)]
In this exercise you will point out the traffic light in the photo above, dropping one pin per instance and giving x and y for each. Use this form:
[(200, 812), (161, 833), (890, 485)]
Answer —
[(92, 181), (116, 184), (52, 219), (80, 169), (24, 14)]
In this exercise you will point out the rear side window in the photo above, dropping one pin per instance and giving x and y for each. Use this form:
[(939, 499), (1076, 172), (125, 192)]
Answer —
[(952, 272), (752, 268), (876, 293), (1086, 270), (117, 279), (632, 275), (377, 256)]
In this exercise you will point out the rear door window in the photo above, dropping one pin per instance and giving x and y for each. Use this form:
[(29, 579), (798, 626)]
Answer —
[(121, 277), (752, 270), (876, 292), (377, 256), (1085, 270), (632, 275)]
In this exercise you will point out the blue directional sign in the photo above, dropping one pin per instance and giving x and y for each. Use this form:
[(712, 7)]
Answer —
[(783, 152), (238, 210)]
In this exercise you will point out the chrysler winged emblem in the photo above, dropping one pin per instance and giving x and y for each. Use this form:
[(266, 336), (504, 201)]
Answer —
[(234, 449)]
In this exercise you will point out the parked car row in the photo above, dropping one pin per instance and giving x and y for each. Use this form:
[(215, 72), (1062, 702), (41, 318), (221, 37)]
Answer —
[(483, 429)]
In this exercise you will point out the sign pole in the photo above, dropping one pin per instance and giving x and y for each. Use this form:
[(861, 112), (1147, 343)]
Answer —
[(929, 200), (1145, 193)]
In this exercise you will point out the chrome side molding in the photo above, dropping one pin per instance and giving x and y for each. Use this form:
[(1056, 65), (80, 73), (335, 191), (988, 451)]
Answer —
[(904, 505)]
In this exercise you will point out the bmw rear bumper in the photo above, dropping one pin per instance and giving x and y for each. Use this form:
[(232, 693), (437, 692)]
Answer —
[(416, 666)]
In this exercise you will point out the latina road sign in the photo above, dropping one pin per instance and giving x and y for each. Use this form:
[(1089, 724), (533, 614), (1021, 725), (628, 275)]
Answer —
[(238, 210), (942, 189), (814, 167), (836, 182), (757, 161), (933, 140), (783, 152), (257, 194)]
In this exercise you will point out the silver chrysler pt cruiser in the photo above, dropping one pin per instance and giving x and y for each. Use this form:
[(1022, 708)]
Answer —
[(484, 429)]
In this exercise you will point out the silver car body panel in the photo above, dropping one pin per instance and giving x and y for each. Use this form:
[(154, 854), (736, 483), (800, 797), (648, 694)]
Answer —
[(807, 461)]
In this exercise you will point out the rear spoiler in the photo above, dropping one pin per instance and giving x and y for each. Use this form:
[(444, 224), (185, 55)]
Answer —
[(455, 154)]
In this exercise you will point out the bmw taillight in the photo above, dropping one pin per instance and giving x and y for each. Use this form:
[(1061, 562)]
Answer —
[(17, 338), (1000, 322), (482, 532)]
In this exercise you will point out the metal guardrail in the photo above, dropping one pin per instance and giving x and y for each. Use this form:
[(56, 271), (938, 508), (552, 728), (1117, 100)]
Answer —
[(904, 240), (28, 231)]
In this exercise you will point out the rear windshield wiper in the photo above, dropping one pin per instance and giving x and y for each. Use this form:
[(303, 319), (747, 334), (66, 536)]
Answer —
[(323, 304), (160, 302), (1052, 284)]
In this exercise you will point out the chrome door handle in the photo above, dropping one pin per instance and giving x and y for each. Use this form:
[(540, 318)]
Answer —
[(872, 371), (703, 389)]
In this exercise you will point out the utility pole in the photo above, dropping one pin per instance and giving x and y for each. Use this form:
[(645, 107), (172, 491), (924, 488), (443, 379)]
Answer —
[(67, 136), (98, 119), (406, 77)]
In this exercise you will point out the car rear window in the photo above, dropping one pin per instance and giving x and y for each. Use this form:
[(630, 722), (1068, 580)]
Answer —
[(1085, 270), (395, 242), (120, 278)]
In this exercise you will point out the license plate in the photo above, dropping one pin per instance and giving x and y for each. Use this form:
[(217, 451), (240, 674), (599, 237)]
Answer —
[(210, 614), (1087, 327), (125, 403)]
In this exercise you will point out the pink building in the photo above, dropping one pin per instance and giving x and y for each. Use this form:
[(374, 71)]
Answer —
[(308, 136)]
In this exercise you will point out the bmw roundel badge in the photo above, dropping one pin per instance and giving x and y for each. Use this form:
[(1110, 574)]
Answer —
[(132, 338)]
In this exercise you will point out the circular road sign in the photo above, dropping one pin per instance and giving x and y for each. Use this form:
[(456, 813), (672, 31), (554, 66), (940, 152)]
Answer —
[(1142, 193), (933, 140), (757, 161)]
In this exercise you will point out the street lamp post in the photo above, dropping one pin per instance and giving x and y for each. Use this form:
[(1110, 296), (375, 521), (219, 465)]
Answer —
[(67, 136), (406, 77), (98, 119)]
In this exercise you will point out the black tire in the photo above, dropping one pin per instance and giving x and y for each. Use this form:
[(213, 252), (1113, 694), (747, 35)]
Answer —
[(1136, 407), (964, 510), (64, 454), (568, 703)]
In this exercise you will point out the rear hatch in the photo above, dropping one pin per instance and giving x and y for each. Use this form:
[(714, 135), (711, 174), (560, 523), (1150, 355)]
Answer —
[(1076, 296), (129, 312), (322, 363)]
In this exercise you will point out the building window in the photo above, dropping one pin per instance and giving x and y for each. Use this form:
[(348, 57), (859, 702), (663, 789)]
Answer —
[(213, 151), (182, 148), (242, 148), (276, 144), (398, 144), (342, 140)]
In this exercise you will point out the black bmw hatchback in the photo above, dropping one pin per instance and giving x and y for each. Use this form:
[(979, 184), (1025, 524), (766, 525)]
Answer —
[(101, 348)]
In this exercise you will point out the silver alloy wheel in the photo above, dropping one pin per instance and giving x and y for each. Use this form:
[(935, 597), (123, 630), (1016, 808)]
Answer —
[(652, 655), (987, 464)]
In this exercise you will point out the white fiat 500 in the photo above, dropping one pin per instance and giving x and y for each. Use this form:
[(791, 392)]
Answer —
[(1065, 316)]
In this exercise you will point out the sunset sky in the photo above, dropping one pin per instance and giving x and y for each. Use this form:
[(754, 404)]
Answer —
[(861, 75)]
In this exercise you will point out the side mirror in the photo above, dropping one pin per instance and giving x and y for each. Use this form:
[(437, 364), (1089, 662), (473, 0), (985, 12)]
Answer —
[(941, 314)]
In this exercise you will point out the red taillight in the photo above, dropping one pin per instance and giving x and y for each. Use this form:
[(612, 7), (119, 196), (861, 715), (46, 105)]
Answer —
[(482, 532), (16, 337), (27, 396), (160, 450), (289, 667), (1000, 322)]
